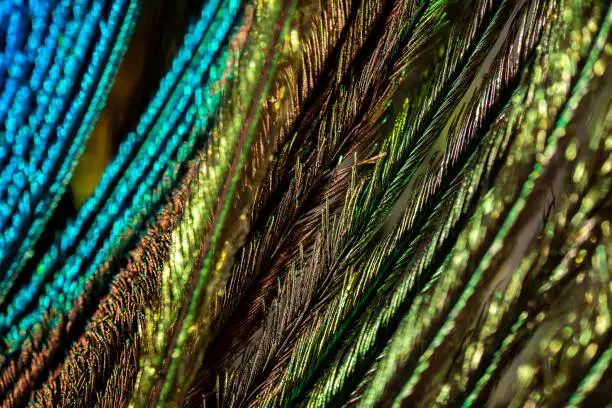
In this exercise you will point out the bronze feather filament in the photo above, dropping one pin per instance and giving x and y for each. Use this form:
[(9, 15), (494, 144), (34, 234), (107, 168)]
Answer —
[(306, 203)]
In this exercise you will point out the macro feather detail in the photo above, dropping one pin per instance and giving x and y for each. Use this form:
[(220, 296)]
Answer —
[(286, 207), (311, 203), (40, 155), (193, 280)]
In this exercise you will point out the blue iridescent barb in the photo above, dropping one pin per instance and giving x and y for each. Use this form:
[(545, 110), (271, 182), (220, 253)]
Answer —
[(21, 60), (45, 151), (146, 163), (41, 62)]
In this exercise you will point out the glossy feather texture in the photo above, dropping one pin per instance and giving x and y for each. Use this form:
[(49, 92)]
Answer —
[(323, 203)]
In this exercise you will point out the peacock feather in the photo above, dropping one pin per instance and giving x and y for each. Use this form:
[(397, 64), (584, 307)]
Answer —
[(328, 203)]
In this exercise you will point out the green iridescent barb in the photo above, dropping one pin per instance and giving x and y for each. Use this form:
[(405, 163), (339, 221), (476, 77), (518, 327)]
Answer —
[(372, 203)]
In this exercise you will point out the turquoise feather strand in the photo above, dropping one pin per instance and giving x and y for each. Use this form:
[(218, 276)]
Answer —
[(60, 293)]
